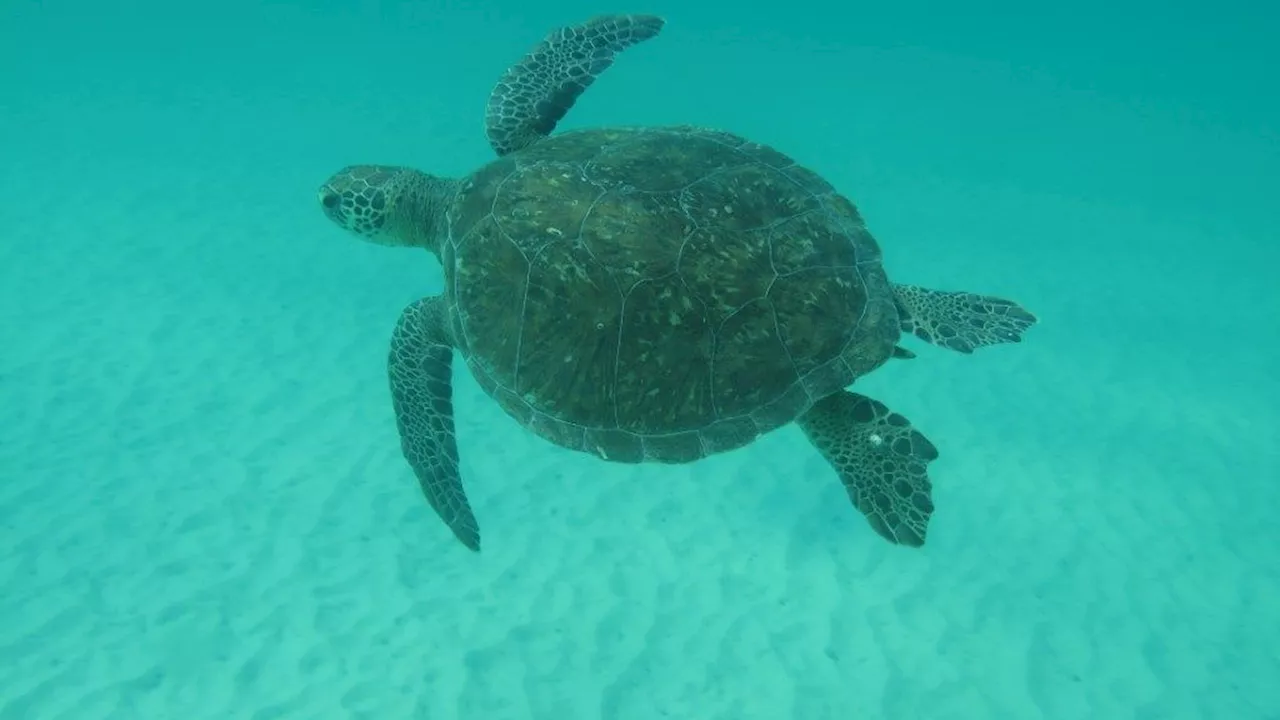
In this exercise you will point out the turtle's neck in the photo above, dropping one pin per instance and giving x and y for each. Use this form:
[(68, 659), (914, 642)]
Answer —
[(421, 215)]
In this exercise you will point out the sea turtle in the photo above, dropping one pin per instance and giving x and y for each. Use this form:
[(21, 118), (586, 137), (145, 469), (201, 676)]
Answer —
[(651, 294)]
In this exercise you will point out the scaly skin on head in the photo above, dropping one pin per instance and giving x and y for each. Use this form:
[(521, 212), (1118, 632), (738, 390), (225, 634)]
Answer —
[(390, 205)]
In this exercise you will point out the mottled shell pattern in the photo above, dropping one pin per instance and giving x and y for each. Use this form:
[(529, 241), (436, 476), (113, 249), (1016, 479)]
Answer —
[(661, 294)]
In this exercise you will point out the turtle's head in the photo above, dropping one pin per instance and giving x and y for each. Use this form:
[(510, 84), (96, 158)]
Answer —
[(388, 205)]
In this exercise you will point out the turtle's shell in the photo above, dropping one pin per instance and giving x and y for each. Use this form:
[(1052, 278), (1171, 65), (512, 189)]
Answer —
[(661, 294)]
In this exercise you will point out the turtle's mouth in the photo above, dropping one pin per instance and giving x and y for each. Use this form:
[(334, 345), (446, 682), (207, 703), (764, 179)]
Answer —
[(356, 200), (331, 202), (353, 213), (330, 199)]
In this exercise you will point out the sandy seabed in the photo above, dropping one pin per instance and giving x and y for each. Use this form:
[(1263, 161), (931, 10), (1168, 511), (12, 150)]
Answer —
[(210, 539), (205, 515)]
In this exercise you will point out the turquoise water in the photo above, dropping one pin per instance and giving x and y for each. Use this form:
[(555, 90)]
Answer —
[(203, 508)]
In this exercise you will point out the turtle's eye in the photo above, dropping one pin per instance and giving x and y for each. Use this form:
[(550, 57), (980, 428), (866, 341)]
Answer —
[(330, 199)]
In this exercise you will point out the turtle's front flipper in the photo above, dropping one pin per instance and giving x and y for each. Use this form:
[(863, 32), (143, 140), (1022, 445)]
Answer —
[(534, 94), (960, 321), (881, 460), (420, 367)]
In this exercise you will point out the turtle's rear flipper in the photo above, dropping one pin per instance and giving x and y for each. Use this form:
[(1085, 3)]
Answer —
[(534, 94), (960, 321), (881, 460), (420, 368)]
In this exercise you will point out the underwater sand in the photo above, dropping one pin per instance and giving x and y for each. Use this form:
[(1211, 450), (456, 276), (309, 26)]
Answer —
[(204, 513)]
